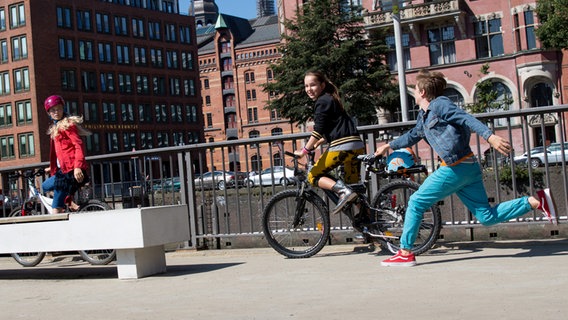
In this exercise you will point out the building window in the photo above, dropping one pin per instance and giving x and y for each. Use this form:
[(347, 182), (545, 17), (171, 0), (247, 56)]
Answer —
[(84, 20), (225, 47), (227, 64), (120, 26), (275, 115), (488, 38), (88, 81), (276, 132), (207, 100), (391, 55), (2, 19), (109, 112), (4, 83), (269, 74), (127, 113), (170, 32), (90, 112), (19, 48), (159, 84), (27, 148), (5, 115), (66, 49), (129, 140), (71, 107), (124, 83), (187, 61), (24, 112), (21, 80), (103, 23), (441, 44), (230, 101), (178, 139), (206, 83), (251, 95), (189, 87), (64, 18), (252, 115), (142, 84), (177, 113), (191, 114), (93, 143), (86, 50), (138, 28), (161, 113), (3, 51), (107, 82), (529, 29), (17, 16), (175, 86), (172, 59), (145, 113), (156, 58), (254, 134), (140, 56), (185, 34), (68, 80), (163, 139), (122, 54), (105, 52), (154, 30), (7, 143), (112, 141), (209, 120), (249, 77)]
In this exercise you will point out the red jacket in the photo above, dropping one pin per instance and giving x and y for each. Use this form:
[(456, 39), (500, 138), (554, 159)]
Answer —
[(67, 147)]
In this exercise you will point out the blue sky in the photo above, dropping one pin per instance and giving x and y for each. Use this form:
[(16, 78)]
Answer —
[(238, 8)]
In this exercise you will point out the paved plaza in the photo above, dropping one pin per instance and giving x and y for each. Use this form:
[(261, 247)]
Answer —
[(478, 280)]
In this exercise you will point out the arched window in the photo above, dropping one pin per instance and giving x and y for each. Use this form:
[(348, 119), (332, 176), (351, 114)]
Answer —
[(276, 132), (256, 163), (277, 159), (455, 96), (254, 134)]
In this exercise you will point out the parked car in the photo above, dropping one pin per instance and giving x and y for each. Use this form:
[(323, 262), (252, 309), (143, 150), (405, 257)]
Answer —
[(220, 180), (168, 184), (522, 159), (275, 175), (553, 153)]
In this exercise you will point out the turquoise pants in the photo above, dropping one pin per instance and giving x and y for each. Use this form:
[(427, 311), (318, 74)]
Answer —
[(464, 180)]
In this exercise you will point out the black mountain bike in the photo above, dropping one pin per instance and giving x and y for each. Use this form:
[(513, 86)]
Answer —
[(296, 222), (33, 206)]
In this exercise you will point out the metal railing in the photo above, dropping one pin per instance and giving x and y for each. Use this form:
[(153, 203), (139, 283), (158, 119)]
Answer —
[(144, 178)]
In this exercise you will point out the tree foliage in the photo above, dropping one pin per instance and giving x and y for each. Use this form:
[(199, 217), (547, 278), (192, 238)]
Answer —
[(325, 36), (486, 95), (553, 18)]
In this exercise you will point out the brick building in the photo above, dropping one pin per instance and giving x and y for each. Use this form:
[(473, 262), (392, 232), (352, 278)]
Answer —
[(128, 67), (235, 55)]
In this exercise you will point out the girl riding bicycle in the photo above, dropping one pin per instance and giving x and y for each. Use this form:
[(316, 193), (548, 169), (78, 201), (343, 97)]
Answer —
[(332, 124), (67, 164)]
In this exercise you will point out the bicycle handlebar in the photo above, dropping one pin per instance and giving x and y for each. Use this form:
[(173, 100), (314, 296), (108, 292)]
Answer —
[(27, 174)]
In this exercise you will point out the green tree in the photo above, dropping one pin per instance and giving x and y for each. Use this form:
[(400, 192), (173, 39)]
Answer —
[(330, 37), (486, 95), (553, 18)]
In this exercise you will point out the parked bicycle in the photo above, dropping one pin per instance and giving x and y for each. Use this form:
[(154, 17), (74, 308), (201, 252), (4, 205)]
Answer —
[(296, 222), (33, 206)]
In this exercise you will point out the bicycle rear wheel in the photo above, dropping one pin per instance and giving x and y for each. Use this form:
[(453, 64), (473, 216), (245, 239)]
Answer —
[(97, 257), (296, 227), (391, 202), (27, 259)]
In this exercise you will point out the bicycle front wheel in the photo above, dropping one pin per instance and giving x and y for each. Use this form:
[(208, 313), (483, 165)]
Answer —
[(27, 259), (296, 226), (390, 205), (97, 257)]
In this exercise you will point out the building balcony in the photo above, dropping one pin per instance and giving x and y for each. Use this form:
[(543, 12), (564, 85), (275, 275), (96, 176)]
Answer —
[(424, 13), (232, 133), (225, 55), (229, 91), (230, 110), (226, 73)]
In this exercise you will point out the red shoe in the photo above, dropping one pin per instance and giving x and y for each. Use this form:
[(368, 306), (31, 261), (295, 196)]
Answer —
[(547, 205), (398, 260)]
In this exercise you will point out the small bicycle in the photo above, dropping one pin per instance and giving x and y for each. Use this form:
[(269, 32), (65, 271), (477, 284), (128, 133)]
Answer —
[(296, 222), (33, 206)]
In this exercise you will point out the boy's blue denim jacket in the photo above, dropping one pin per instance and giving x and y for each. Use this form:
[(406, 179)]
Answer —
[(446, 128)]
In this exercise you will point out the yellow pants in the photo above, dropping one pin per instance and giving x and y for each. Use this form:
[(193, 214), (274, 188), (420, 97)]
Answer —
[(330, 160)]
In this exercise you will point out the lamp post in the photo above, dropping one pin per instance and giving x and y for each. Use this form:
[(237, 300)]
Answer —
[(400, 59)]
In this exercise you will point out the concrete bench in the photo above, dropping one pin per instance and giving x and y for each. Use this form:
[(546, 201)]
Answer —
[(137, 234)]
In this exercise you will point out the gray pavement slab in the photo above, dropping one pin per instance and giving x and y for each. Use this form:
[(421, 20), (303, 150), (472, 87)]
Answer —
[(473, 280)]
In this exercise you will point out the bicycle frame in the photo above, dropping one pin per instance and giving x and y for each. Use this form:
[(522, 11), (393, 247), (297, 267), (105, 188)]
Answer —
[(33, 196)]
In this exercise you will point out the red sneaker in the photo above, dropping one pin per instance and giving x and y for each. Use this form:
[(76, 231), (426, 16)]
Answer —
[(547, 205), (398, 260)]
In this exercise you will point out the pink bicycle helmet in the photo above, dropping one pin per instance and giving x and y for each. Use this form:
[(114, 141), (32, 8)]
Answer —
[(53, 101)]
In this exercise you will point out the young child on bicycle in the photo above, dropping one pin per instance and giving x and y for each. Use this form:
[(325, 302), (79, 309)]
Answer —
[(67, 165), (332, 124), (447, 129)]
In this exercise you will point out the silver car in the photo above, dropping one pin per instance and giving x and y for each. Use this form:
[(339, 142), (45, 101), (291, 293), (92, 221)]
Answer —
[(270, 176)]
